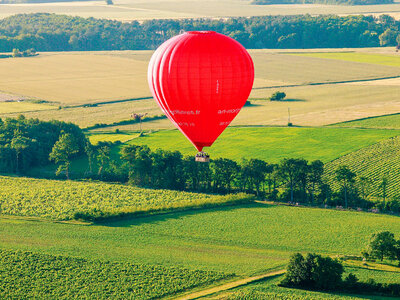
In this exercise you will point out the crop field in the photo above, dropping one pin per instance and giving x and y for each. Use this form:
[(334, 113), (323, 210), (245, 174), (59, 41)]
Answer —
[(110, 137), (244, 239), (91, 115), (383, 122), (65, 200), (373, 162), (274, 143), (126, 10), (22, 107), (369, 58), (74, 78), (29, 275)]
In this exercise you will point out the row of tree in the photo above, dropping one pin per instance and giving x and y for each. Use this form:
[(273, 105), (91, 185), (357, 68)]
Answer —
[(292, 180), (50, 32)]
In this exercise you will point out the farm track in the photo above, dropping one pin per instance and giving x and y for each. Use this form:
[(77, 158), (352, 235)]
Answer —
[(230, 285), (325, 83)]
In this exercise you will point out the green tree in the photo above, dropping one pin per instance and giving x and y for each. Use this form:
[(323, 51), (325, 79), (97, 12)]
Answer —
[(383, 244), (293, 170), (103, 159), (224, 172), (19, 143), (313, 271), (278, 96), (383, 187), (315, 172), (346, 178), (388, 37), (63, 150), (364, 184)]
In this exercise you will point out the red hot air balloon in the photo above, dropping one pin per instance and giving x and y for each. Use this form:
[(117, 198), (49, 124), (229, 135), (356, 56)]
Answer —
[(201, 80)]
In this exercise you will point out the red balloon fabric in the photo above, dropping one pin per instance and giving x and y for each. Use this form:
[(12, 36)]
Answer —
[(201, 80)]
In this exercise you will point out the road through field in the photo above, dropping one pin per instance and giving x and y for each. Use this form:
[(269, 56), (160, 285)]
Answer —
[(230, 285)]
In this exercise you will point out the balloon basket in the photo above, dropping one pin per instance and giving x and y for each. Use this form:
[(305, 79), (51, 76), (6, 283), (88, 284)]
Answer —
[(202, 157)]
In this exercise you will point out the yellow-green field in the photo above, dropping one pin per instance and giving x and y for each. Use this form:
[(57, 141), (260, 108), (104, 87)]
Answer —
[(21, 107), (126, 10), (370, 58)]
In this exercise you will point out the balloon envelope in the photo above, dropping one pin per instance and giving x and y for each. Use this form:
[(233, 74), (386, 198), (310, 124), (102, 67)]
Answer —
[(201, 80)]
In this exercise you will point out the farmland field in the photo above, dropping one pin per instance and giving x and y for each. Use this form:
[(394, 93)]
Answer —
[(31, 275), (370, 58), (373, 162), (101, 113), (126, 10), (384, 122), (76, 78), (244, 239), (65, 200), (274, 143), (22, 107)]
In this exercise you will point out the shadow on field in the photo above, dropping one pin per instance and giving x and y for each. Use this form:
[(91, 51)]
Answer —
[(129, 221)]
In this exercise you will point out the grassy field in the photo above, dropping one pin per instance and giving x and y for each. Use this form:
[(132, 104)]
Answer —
[(383, 122), (369, 58), (373, 162), (22, 107), (274, 143), (37, 276), (126, 10), (245, 239), (65, 200)]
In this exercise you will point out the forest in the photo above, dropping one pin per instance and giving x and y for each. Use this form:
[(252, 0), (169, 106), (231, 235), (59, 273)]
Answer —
[(51, 32)]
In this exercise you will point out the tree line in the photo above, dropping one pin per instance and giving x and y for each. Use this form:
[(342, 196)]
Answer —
[(29, 143), (51, 32)]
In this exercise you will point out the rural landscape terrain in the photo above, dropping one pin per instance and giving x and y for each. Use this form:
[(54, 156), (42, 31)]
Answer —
[(100, 196)]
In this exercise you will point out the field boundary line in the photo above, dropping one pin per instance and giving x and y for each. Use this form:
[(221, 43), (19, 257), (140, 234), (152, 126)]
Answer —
[(230, 285)]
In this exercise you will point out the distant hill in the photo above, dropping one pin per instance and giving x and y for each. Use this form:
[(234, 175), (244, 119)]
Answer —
[(332, 2)]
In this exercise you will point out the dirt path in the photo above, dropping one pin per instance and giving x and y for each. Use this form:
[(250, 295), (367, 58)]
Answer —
[(230, 285)]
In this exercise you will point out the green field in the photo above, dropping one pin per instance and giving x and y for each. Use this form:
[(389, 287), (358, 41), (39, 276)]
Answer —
[(26, 275), (373, 162), (126, 10), (274, 143), (369, 58), (245, 239), (65, 200), (383, 122)]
